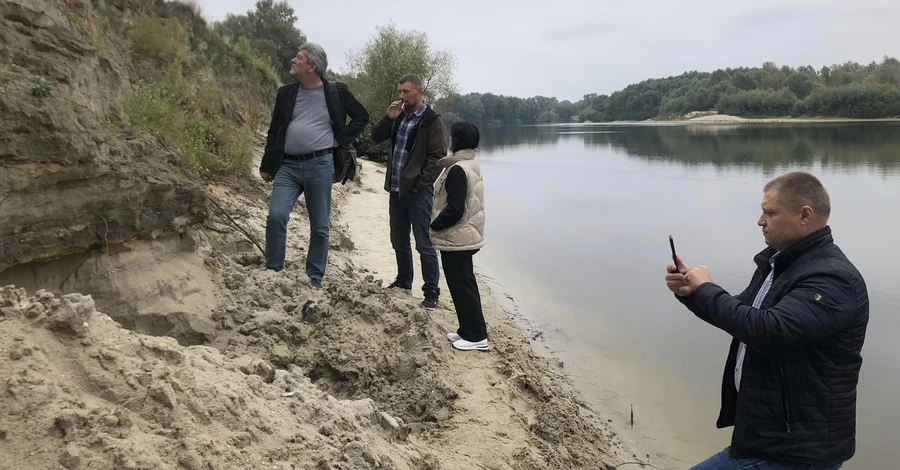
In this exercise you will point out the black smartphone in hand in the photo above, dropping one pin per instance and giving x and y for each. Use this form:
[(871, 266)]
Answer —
[(674, 257)]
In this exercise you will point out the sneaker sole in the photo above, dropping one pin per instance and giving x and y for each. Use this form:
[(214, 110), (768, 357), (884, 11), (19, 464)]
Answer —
[(471, 349)]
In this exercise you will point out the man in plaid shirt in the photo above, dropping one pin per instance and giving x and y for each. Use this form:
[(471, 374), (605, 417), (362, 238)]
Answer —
[(418, 140)]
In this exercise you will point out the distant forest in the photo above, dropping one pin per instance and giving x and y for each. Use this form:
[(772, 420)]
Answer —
[(848, 90)]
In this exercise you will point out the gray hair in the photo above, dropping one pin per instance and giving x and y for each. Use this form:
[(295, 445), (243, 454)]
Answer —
[(798, 189), (413, 79), (316, 56)]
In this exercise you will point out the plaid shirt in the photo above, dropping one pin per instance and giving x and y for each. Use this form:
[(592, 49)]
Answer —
[(400, 154)]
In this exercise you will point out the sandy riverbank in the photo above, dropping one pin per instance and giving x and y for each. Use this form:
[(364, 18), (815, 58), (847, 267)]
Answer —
[(725, 118), (188, 355), (485, 411)]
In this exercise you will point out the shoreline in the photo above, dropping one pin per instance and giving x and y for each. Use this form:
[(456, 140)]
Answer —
[(728, 119), (366, 219), (723, 118), (531, 313)]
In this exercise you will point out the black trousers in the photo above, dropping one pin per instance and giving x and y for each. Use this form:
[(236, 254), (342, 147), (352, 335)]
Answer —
[(460, 274)]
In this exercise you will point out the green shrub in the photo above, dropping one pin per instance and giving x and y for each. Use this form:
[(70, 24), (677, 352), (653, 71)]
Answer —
[(209, 143), (42, 88), (157, 38)]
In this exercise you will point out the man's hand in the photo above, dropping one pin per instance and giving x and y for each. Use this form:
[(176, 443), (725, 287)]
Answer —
[(267, 177), (393, 111), (697, 276), (675, 280), (335, 144)]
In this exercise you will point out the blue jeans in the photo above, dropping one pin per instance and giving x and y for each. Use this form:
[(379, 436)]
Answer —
[(414, 210), (723, 461), (313, 178)]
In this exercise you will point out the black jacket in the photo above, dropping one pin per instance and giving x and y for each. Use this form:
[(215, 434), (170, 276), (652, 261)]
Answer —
[(341, 103), (797, 400), (457, 186), (427, 144)]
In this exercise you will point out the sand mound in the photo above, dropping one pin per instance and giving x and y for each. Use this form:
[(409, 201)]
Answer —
[(717, 118), (84, 393)]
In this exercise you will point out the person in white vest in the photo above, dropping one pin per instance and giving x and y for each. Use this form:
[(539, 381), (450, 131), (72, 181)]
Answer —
[(457, 231)]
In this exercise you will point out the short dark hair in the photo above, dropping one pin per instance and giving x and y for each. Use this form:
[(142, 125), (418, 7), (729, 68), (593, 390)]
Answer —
[(410, 78), (463, 136), (798, 189)]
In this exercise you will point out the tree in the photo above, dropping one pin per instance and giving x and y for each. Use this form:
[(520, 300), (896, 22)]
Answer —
[(718, 76), (392, 53), (565, 111), (548, 117), (800, 84), (270, 31), (888, 73), (771, 77), (744, 80)]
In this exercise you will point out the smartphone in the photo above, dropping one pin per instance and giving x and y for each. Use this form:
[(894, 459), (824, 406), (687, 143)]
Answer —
[(674, 258)]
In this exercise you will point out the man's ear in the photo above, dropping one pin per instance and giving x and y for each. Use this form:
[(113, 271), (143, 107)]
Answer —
[(806, 214)]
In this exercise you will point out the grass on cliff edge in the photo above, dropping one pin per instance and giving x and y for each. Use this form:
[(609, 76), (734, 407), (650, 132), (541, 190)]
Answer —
[(207, 100)]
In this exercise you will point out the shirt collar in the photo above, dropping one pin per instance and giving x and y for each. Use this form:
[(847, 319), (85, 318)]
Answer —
[(420, 112)]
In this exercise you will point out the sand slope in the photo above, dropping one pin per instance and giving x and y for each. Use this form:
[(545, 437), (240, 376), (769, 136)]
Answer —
[(262, 371)]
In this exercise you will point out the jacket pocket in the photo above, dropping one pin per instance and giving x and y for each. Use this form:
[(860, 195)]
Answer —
[(785, 398)]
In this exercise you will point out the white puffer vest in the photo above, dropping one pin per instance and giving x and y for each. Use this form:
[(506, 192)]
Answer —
[(468, 233)]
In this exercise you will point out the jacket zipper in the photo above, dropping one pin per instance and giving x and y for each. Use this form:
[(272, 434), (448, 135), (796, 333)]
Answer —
[(785, 403)]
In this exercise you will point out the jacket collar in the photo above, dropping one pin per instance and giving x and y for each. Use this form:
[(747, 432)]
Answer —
[(812, 241), (454, 158)]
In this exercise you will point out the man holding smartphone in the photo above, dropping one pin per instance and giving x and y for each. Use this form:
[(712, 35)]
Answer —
[(790, 379), (418, 140)]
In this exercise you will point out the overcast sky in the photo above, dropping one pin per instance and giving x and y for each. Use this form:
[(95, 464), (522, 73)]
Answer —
[(568, 48)]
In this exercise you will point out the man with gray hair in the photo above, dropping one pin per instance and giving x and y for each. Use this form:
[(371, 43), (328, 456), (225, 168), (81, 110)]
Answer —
[(789, 387), (306, 153), (418, 138)]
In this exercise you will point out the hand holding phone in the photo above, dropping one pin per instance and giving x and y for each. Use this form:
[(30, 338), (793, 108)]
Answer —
[(674, 256), (680, 266), (674, 279)]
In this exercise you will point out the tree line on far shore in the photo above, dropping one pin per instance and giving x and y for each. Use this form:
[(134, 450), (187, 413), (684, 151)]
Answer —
[(848, 90)]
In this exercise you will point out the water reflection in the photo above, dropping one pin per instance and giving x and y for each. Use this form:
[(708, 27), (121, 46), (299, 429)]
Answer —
[(578, 225), (870, 145)]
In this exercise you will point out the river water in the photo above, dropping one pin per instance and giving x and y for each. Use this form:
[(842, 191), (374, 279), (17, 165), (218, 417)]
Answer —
[(578, 225)]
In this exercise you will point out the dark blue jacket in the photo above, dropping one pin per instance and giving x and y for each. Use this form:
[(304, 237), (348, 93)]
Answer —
[(798, 385)]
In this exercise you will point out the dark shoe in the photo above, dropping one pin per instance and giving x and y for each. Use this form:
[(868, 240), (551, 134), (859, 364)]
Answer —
[(397, 285), (430, 302)]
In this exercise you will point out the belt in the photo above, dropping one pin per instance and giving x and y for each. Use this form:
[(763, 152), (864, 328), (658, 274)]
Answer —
[(308, 156)]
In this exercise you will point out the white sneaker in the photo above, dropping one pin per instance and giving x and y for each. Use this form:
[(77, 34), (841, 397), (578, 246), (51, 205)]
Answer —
[(464, 345), (453, 337)]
